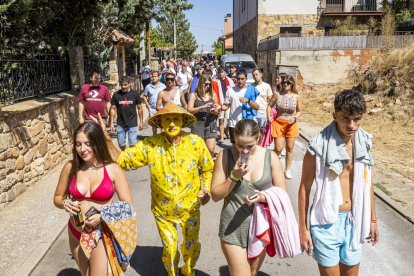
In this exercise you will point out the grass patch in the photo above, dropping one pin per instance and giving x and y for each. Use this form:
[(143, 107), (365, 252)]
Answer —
[(382, 188)]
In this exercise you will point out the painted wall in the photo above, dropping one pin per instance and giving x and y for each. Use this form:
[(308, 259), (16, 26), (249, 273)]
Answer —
[(279, 7), (243, 12), (317, 67)]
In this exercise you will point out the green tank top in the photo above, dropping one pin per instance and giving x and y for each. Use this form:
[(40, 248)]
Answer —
[(236, 215)]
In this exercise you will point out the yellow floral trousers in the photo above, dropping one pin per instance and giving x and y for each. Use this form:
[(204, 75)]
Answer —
[(190, 248)]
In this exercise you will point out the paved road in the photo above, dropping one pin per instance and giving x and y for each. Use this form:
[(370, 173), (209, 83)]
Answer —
[(394, 254)]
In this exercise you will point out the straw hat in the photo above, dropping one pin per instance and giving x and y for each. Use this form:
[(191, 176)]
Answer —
[(170, 108)]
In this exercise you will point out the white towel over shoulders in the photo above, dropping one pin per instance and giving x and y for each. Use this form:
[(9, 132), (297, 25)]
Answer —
[(328, 197)]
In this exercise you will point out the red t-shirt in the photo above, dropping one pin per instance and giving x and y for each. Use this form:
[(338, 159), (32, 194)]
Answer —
[(94, 99)]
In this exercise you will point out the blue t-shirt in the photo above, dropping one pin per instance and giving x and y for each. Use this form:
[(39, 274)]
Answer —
[(194, 84), (247, 111), (152, 93)]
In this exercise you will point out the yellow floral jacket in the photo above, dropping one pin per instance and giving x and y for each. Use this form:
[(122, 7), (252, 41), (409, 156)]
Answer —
[(178, 172)]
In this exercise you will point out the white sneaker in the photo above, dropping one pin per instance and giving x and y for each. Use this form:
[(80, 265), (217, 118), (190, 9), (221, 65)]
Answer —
[(288, 175)]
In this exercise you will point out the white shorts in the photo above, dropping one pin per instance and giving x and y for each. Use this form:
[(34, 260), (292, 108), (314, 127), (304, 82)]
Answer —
[(224, 114)]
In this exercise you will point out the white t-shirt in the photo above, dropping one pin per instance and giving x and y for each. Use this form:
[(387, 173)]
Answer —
[(233, 98), (145, 72), (183, 79), (265, 91)]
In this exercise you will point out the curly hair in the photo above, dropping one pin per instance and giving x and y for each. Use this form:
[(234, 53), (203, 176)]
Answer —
[(350, 101)]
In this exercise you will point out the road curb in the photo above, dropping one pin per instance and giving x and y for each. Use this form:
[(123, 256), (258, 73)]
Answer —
[(36, 257), (378, 193)]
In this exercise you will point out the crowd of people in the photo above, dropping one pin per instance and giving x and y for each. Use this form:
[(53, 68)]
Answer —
[(194, 106)]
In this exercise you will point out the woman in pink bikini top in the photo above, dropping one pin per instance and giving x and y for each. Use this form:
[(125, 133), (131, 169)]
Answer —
[(89, 180)]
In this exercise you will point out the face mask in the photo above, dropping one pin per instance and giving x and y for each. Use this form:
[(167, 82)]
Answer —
[(172, 124)]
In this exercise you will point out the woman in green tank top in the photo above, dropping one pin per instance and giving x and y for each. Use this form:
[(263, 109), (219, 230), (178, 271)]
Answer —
[(240, 173)]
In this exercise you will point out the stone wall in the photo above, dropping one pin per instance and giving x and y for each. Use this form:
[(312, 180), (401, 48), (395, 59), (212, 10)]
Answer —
[(320, 67), (267, 61), (245, 38), (35, 136), (269, 25)]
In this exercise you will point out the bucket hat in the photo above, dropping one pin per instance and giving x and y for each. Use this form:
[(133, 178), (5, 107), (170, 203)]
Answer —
[(170, 108)]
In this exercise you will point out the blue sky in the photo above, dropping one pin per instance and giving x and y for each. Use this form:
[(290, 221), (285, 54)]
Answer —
[(207, 20)]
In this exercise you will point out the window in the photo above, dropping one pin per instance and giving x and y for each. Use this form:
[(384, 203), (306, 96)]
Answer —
[(290, 31), (248, 66)]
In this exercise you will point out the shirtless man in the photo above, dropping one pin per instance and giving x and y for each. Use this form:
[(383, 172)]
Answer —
[(343, 214), (171, 94)]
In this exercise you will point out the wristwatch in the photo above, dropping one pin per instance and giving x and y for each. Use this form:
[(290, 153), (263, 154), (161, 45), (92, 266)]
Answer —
[(248, 100)]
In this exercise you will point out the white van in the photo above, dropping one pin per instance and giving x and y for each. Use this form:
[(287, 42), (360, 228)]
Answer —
[(242, 61)]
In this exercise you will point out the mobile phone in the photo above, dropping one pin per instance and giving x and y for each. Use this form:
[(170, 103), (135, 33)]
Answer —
[(254, 196), (92, 211), (244, 157)]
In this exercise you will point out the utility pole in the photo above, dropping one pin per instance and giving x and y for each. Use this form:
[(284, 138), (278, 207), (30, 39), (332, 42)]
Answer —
[(148, 40), (175, 39)]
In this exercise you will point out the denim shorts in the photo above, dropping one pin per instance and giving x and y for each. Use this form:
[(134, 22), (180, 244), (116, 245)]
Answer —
[(132, 135), (331, 242)]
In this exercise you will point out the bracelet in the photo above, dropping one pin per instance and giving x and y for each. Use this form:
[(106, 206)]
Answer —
[(248, 100), (374, 220), (233, 178)]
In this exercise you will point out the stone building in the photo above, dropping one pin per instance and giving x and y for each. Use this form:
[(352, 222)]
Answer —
[(36, 134), (254, 20)]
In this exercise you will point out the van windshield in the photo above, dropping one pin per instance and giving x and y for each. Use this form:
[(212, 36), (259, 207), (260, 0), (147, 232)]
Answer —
[(243, 65)]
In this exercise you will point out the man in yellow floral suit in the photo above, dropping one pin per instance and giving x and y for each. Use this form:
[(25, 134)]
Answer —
[(181, 169)]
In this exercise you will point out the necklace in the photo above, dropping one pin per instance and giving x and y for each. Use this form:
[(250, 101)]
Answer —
[(94, 171)]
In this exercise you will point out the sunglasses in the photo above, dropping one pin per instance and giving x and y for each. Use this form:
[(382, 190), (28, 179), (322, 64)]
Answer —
[(241, 78), (169, 79), (207, 83)]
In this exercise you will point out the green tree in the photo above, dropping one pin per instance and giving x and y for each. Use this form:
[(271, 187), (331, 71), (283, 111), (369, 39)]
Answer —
[(186, 43), (218, 48), (157, 41), (30, 26)]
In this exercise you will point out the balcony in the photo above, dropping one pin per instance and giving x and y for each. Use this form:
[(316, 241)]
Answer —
[(349, 6)]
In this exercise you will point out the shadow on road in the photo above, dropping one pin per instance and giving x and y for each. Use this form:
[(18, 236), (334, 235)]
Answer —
[(223, 146), (142, 137), (146, 261), (69, 272), (224, 271)]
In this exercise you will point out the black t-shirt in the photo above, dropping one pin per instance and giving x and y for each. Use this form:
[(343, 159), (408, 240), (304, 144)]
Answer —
[(126, 107)]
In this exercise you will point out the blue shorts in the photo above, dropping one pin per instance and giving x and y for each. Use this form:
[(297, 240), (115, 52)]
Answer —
[(132, 135), (331, 242)]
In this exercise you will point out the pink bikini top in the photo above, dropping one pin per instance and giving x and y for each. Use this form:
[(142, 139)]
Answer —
[(103, 192)]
